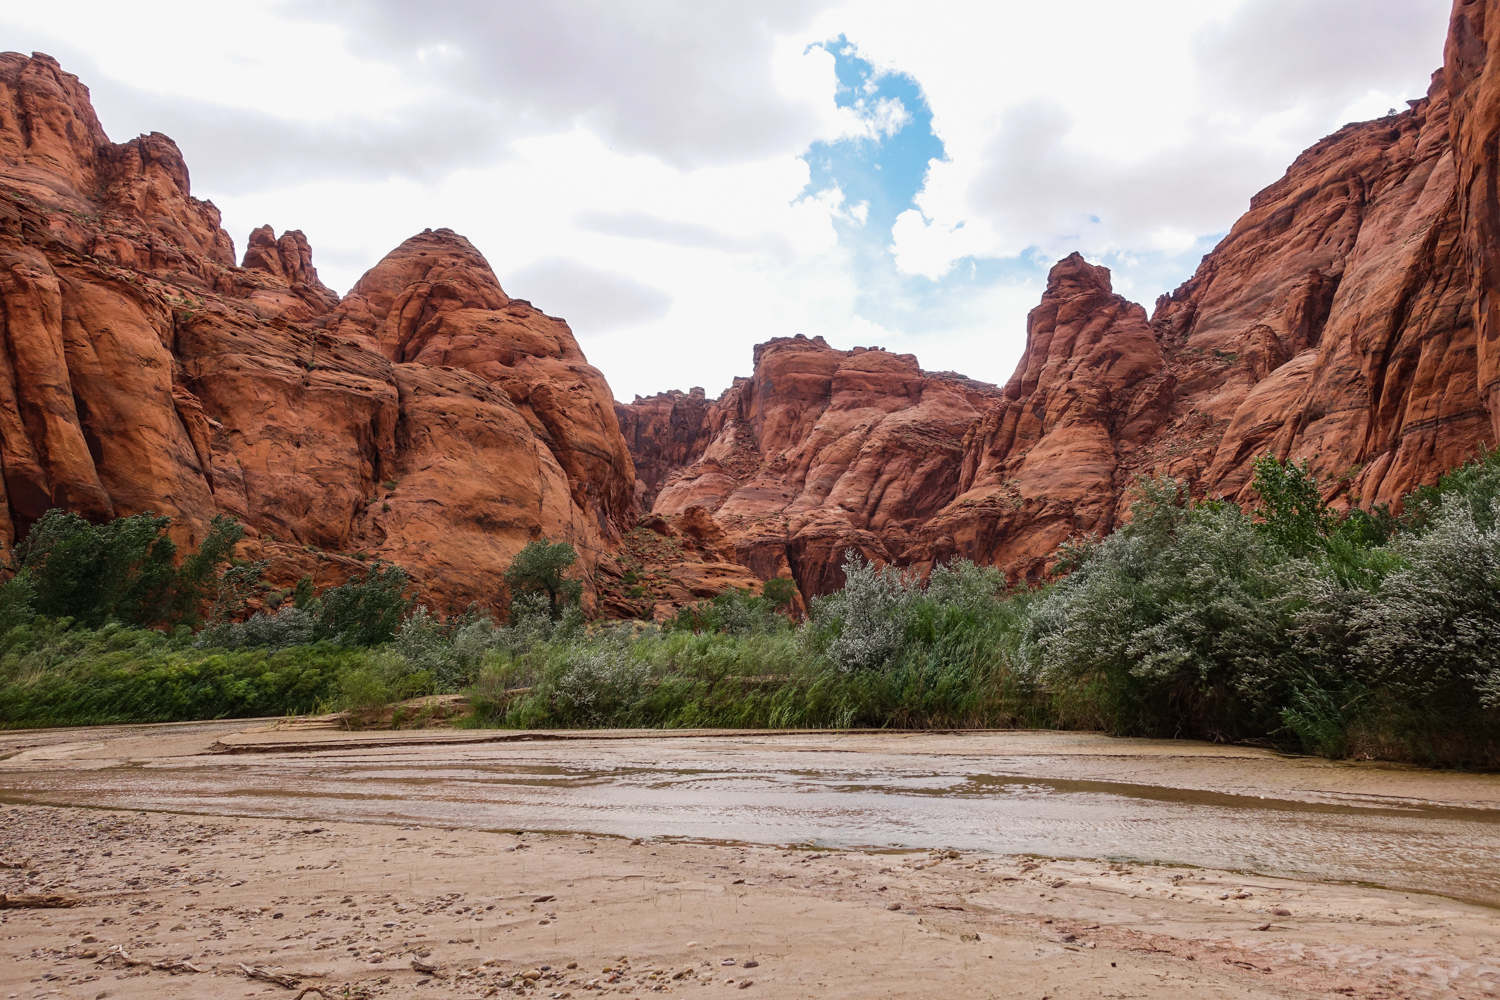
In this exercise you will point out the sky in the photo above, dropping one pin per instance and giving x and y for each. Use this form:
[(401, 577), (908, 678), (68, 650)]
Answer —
[(682, 180)]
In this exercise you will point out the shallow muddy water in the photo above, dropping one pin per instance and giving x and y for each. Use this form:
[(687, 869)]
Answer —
[(1056, 795)]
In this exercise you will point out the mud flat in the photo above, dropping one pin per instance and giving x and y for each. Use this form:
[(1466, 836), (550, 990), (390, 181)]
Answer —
[(454, 863)]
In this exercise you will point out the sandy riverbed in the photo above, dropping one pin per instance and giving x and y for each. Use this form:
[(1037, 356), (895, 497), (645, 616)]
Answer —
[(318, 866)]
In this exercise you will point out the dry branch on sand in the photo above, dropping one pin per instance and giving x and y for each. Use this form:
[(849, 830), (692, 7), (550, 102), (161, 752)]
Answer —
[(290, 982), (119, 956), (46, 901)]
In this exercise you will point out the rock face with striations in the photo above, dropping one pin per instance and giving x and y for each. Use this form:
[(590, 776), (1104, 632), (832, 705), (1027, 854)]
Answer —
[(1334, 324), (820, 451), (1051, 459), (426, 418)]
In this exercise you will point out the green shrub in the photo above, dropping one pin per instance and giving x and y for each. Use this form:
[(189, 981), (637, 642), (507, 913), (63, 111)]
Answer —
[(1475, 485), (1181, 620), (365, 611), (779, 592), (1354, 633), (737, 612), (124, 570)]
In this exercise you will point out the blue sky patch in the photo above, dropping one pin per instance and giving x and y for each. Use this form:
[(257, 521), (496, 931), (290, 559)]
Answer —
[(885, 169)]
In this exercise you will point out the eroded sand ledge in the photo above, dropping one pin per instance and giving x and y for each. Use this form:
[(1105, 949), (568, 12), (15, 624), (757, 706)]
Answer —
[(358, 901)]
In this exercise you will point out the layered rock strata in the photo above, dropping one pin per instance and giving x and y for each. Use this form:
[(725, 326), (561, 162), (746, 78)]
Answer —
[(426, 418), (1350, 319)]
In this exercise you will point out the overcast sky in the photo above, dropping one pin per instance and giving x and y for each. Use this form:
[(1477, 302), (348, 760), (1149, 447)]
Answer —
[(681, 180)]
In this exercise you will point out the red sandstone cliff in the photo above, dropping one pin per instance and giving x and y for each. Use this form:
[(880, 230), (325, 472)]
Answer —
[(1351, 318), (1334, 324), (427, 417), (819, 451)]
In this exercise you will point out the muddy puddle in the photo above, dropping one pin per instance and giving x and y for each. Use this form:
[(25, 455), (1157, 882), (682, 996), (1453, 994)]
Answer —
[(1047, 795)]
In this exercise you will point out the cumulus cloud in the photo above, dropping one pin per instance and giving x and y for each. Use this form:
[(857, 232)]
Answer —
[(1274, 55), (249, 150), (693, 235), (692, 83), (592, 299), (448, 83), (882, 117), (1146, 145), (1033, 189), (681, 180)]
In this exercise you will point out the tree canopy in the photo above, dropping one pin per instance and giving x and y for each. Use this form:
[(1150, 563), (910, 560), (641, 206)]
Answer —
[(539, 569)]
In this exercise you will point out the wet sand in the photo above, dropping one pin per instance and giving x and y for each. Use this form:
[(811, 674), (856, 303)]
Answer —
[(922, 866)]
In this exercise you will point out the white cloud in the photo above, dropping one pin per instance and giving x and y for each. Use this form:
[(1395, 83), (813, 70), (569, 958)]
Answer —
[(637, 167), (594, 298), (1112, 127), (883, 117)]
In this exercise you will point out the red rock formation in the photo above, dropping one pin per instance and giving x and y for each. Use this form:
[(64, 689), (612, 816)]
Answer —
[(1334, 324), (1051, 460), (434, 302), (668, 562), (427, 418), (290, 260), (1351, 319), (1473, 76), (664, 433), (820, 451)]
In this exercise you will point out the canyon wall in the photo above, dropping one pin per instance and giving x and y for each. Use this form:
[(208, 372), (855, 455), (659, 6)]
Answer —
[(426, 418), (1351, 319)]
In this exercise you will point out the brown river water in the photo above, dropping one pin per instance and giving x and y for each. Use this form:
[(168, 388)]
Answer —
[(1065, 795)]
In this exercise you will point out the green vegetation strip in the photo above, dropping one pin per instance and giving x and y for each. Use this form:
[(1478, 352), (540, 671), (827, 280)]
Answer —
[(1349, 634)]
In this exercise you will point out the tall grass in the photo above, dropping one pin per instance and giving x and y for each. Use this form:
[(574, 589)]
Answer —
[(53, 675)]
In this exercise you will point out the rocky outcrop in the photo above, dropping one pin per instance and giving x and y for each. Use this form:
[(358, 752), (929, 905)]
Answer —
[(435, 303), (1471, 67), (426, 418), (1351, 319), (1335, 324), (820, 451), (1051, 459), (664, 433)]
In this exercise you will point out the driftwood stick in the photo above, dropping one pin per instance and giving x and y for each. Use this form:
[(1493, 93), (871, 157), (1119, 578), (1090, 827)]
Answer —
[(290, 982), (46, 901)]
